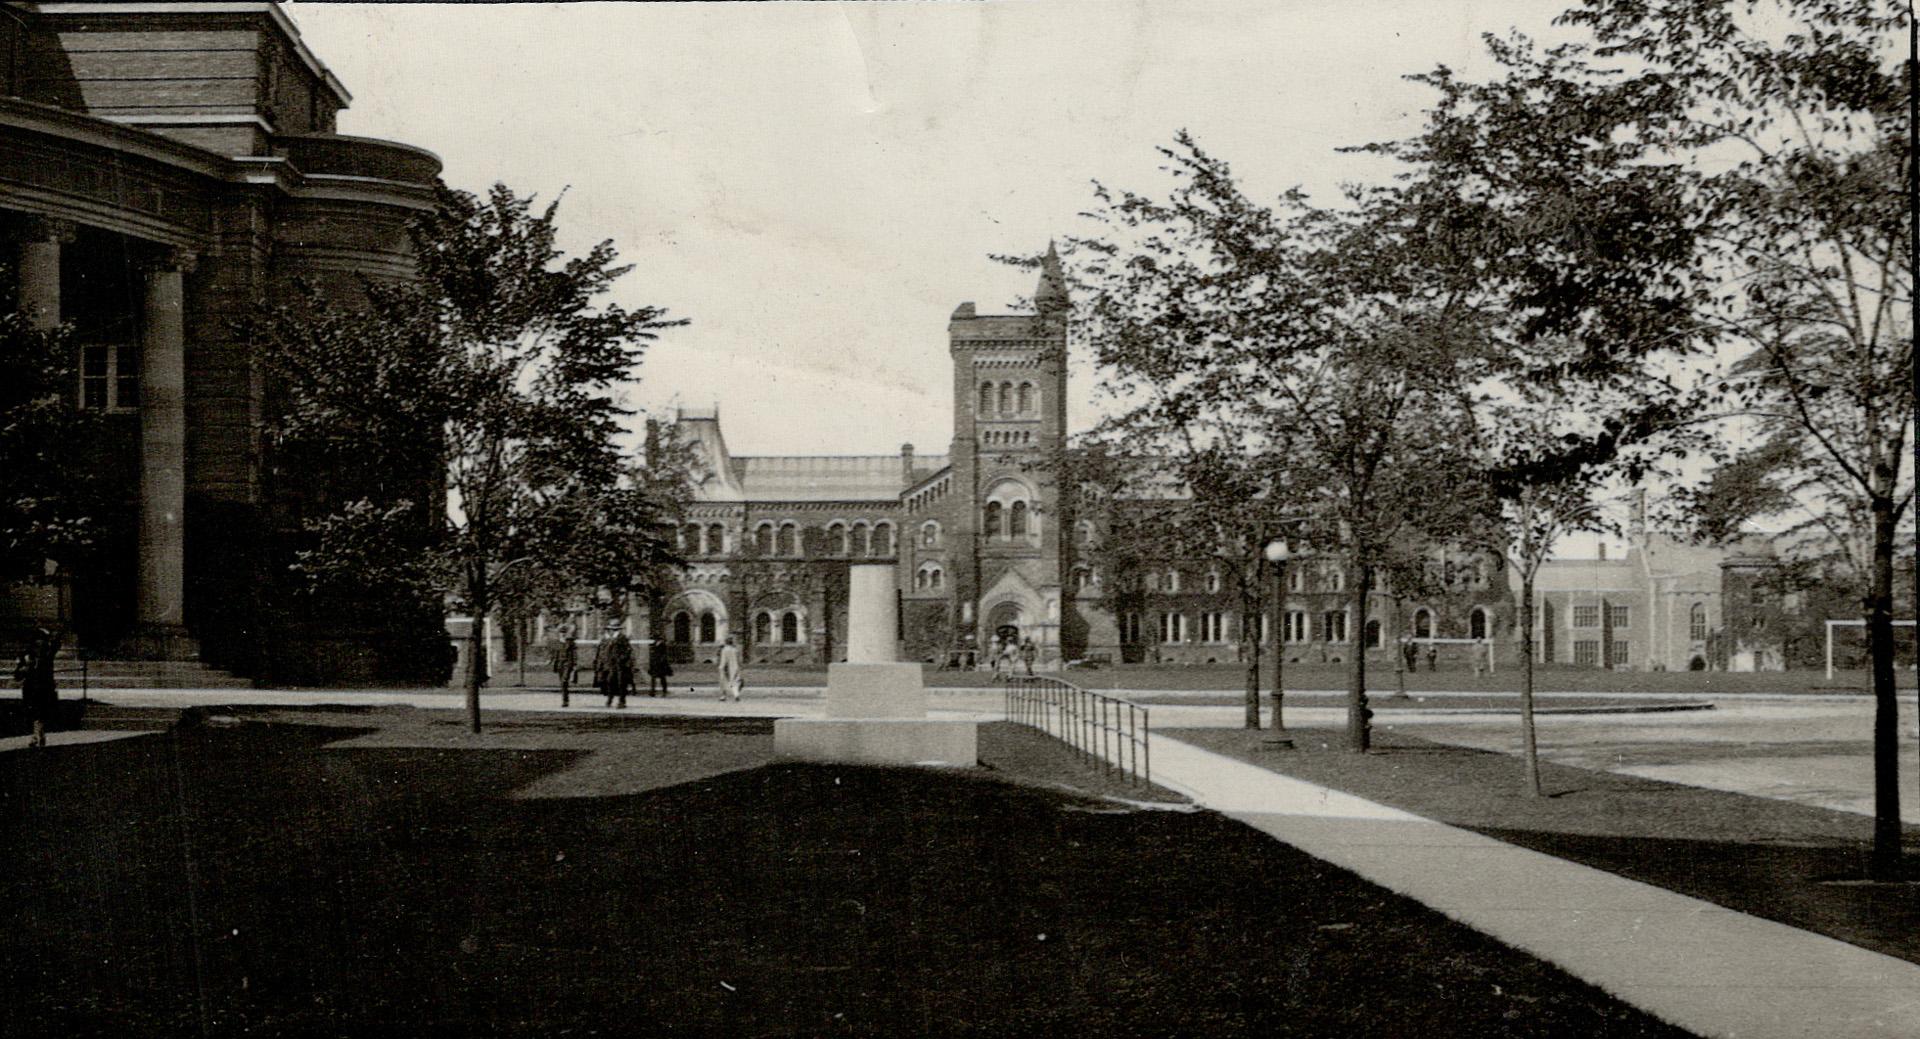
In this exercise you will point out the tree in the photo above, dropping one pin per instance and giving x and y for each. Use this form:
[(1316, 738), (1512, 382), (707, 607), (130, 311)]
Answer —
[(1800, 110), (50, 499), (499, 370), (1232, 328), (1180, 505)]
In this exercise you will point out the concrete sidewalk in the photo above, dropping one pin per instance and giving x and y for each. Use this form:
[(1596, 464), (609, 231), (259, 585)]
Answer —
[(1709, 970)]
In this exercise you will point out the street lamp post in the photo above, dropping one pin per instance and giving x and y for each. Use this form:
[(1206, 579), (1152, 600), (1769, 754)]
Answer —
[(1276, 553)]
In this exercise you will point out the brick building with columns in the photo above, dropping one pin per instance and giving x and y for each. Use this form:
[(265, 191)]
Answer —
[(165, 170)]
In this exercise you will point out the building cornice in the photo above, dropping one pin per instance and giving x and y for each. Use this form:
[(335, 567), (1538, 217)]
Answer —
[(280, 19)]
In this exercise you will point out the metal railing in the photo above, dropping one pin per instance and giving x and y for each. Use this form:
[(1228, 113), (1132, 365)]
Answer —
[(1107, 729)]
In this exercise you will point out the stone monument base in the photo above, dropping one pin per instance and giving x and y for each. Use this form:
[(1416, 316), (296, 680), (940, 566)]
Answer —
[(876, 691), (877, 741)]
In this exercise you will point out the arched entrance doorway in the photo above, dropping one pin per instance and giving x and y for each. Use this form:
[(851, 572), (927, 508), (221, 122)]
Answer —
[(1005, 622)]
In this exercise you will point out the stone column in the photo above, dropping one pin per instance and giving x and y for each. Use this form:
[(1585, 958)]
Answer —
[(870, 614), (39, 269), (160, 613)]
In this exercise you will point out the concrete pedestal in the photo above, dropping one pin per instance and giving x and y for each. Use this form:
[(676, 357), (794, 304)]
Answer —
[(876, 710), (876, 691)]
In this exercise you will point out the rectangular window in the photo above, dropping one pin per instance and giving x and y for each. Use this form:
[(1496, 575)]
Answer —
[(1297, 626), (1587, 616), (1587, 652), (1620, 616), (1213, 627), (1173, 627), (1335, 625), (1130, 627), (110, 376), (1620, 658)]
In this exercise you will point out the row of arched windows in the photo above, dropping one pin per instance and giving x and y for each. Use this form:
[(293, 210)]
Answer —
[(1013, 520), (769, 626), (696, 540), (685, 626), (1009, 399), (930, 577), (857, 540)]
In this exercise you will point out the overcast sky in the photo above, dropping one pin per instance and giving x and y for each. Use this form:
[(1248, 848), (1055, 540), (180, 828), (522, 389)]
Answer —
[(818, 185)]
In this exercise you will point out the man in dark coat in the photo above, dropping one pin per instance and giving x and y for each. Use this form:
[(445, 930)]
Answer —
[(564, 654), (614, 666), (659, 669), (35, 672)]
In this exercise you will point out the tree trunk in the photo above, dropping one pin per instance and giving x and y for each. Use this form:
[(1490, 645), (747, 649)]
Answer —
[(1359, 731), (476, 658), (1530, 747), (1250, 642), (1885, 863)]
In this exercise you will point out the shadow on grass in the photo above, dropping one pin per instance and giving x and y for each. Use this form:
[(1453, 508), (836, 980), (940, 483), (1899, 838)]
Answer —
[(247, 879)]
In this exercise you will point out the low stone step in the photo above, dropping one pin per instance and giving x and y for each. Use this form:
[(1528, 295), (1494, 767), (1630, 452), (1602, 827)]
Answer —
[(145, 674)]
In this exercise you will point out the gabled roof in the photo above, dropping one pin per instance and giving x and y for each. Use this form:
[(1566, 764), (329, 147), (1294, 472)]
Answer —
[(820, 477)]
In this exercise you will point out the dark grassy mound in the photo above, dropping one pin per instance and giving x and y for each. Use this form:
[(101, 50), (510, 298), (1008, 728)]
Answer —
[(243, 878)]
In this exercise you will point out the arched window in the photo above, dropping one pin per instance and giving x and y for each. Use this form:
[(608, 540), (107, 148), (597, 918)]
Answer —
[(930, 534), (1423, 623), (762, 627), (1017, 520), (883, 539), (1213, 580), (790, 627), (682, 628), (1006, 398), (986, 398), (1477, 624), (716, 539), (1026, 398), (1086, 532), (1697, 622), (690, 539), (708, 629), (993, 519), (1173, 580), (858, 544), (763, 539), (920, 579), (836, 540), (1373, 634), (786, 542)]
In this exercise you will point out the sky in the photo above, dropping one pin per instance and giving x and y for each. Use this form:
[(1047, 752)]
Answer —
[(816, 186)]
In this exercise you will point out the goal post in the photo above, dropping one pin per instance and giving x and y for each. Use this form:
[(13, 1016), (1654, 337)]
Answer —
[(1850, 624)]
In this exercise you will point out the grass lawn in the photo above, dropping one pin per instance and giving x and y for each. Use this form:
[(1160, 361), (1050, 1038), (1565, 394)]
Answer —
[(623, 876), (1770, 858)]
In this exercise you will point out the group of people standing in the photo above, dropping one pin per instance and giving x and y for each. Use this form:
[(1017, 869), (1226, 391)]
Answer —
[(615, 672), (1011, 653)]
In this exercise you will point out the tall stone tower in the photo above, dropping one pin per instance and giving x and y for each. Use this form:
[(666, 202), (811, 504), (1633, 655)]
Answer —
[(1009, 527)]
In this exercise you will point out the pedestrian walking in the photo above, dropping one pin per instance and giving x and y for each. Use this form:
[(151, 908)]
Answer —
[(731, 678), (1480, 659), (659, 668), (613, 666), (34, 670), (1028, 653), (1410, 653), (564, 654), (1433, 657)]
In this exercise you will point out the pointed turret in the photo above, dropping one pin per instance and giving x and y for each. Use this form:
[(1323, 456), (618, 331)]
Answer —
[(1050, 294)]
